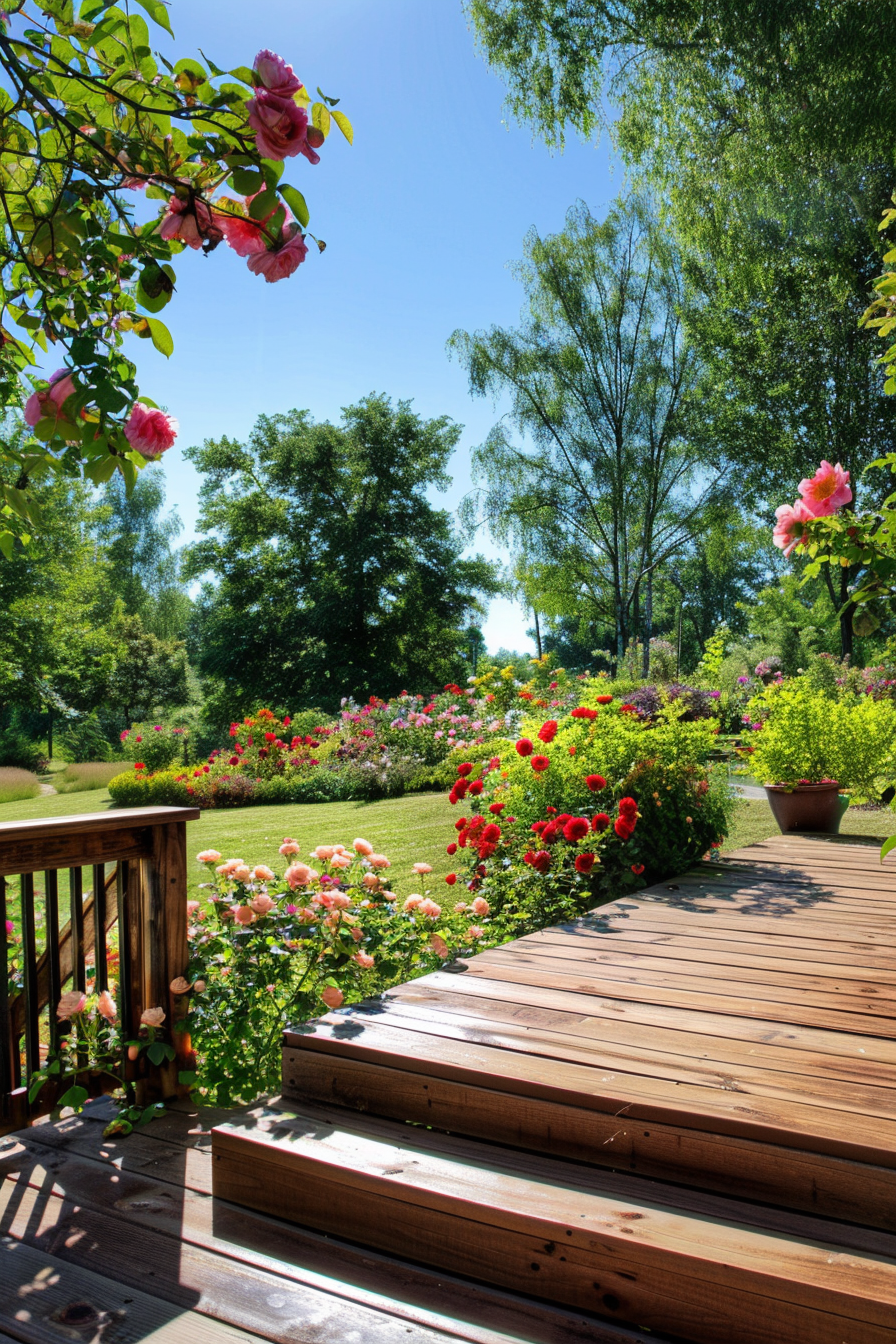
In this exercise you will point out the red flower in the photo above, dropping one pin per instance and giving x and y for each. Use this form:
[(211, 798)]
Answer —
[(583, 712), (270, 737), (539, 764), (451, 849), (595, 783), (628, 808), (465, 769), (460, 787), (552, 811), (623, 829), (491, 833), (451, 879), (577, 828), (584, 863), (572, 750), (541, 861), (494, 763), (627, 709), (550, 833), (453, 798), (459, 825), (524, 747), (538, 826), (599, 822), (138, 765), (496, 808), (287, 721), (475, 788), (548, 731), (233, 760), (525, 695), (604, 699), (637, 869), (486, 849)]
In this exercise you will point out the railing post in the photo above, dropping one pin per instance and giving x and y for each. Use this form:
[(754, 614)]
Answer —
[(165, 953)]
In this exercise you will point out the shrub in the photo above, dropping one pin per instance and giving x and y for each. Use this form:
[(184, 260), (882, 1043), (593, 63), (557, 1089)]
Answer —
[(18, 750), (265, 950), (83, 739), (156, 745), (136, 789), (16, 784), (807, 735), (86, 775)]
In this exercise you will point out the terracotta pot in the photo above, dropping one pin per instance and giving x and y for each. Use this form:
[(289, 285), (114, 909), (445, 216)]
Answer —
[(808, 807)]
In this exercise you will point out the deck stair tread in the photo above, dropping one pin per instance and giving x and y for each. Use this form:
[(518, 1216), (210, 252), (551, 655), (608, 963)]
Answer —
[(663, 1257)]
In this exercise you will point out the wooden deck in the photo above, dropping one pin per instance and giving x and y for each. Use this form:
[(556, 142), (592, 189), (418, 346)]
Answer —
[(673, 1119)]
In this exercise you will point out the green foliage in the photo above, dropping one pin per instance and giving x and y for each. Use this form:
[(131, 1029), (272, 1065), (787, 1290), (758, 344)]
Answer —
[(157, 745), (148, 673), (86, 776), (85, 739), (710, 664), (333, 573), (87, 114), (809, 735), (17, 750)]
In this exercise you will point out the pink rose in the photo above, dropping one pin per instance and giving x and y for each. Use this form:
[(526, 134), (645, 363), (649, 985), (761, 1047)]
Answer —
[(105, 1006), (280, 125), (42, 405), (152, 1017), (341, 861), (278, 263), (149, 430), (263, 903), (332, 996), (460, 907), (289, 847), (244, 914), (299, 875), (192, 907), (827, 491), (429, 908), (474, 931), (71, 1003), (275, 75), (412, 902), (480, 906), (190, 222), (208, 856), (789, 530), (364, 960), (422, 868)]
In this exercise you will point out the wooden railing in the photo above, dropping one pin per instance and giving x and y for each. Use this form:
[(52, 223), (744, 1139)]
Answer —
[(145, 894)]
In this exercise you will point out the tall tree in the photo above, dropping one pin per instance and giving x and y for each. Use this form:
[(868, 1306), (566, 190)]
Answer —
[(604, 488), (144, 569), (331, 573)]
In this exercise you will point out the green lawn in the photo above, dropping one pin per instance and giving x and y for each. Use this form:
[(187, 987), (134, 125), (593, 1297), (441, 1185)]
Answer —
[(408, 830)]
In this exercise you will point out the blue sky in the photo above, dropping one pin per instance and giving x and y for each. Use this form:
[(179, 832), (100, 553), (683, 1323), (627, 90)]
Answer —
[(420, 216)]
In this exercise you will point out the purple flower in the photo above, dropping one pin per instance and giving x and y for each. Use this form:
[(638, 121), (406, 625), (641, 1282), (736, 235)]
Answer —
[(743, 681)]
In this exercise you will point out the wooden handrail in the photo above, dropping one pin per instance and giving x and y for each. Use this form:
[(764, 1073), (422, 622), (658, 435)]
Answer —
[(148, 847)]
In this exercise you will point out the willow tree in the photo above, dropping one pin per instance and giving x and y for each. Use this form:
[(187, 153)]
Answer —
[(592, 475)]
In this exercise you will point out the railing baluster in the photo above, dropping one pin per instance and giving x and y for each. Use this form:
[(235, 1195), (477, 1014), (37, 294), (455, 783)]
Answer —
[(29, 958), (125, 964), (9, 1073), (101, 980), (54, 972), (76, 919)]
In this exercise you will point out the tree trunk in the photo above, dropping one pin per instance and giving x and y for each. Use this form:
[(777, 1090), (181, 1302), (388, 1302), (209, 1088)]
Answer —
[(647, 624), (845, 616), (537, 632)]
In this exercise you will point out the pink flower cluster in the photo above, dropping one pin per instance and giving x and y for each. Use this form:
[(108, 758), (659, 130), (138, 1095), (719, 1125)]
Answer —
[(150, 431), (820, 496)]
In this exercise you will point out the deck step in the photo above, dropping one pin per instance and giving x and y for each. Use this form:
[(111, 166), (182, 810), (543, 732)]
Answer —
[(406, 1060), (652, 1256)]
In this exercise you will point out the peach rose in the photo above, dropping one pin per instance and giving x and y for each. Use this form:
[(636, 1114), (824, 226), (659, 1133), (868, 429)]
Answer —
[(180, 985), (262, 904), (262, 873), (244, 914), (439, 946), (299, 875), (209, 856), (474, 931), (289, 847), (362, 847), (324, 852), (480, 906), (379, 861), (422, 868), (429, 908), (105, 1006), (332, 996), (69, 1004), (341, 861), (152, 1017), (364, 960), (412, 902)]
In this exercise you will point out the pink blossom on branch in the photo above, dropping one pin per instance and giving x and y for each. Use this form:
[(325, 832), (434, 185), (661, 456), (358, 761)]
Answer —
[(149, 430), (280, 125), (827, 491), (790, 528), (189, 222), (275, 75), (41, 405), (279, 262)]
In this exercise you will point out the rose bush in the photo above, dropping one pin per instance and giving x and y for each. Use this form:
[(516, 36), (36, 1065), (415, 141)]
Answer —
[(584, 807), (268, 949)]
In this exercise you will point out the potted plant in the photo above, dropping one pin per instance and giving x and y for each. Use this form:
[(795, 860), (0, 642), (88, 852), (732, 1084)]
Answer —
[(812, 749)]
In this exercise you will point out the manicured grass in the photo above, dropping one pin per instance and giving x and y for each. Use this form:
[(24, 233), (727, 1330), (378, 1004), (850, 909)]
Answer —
[(408, 830)]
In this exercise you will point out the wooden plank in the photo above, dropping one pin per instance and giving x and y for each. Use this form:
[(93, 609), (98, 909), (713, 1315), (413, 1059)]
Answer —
[(762, 1119), (836, 1044), (748, 982), (591, 944), (833, 932), (72, 851), (740, 1077), (715, 1281), (45, 1300), (238, 1265), (653, 989), (600, 1032), (117, 819)]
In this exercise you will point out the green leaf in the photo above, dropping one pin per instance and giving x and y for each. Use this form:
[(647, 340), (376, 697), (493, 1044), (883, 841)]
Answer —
[(37, 1083), (247, 181), (7, 543), (186, 1077), (296, 202), (161, 336), (344, 125), (117, 1126), (245, 74), (263, 204), (887, 847), (75, 1097)]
